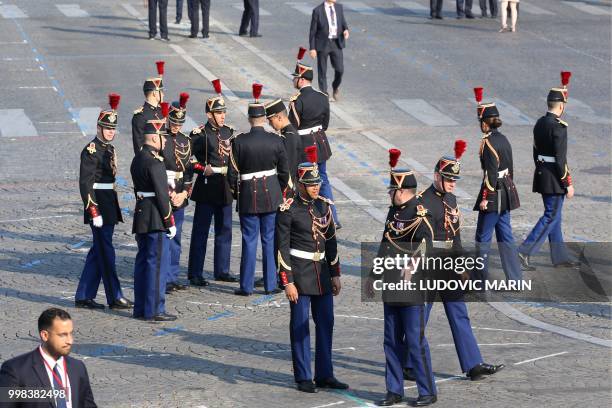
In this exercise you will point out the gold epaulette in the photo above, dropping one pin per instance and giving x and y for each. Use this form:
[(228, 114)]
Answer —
[(91, 148), (286, 204), (421, 211), (562, 122), (196, 130), (139, 110), (230, 128), (326, 200), (157, 156), (294, 97)]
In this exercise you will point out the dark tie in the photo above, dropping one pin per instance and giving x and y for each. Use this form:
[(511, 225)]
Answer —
[(61, 402), (332, 14)]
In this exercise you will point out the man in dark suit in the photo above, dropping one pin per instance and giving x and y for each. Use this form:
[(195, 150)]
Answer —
[(250, 15), (435, 7), (195, 17), (153, 5), (49, 366), (328, 35)]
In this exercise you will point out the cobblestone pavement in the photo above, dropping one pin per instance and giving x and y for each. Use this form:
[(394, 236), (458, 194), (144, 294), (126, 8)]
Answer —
[(226, 351)]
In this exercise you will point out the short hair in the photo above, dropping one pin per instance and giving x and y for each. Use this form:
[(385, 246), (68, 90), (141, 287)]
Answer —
[(554, 104), (258, 121), (45, 321), (494, 122)]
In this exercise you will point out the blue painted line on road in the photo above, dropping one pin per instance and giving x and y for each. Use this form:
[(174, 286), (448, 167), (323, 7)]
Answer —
[(125, 210), (221, 315), (77, 245), (262, 299), (168, 330), (348, 395), (120, 180), (31, 264), (127, 197), (581, 239)]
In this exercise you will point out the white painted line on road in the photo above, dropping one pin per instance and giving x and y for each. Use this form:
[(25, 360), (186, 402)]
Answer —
[(584, 112), (284, 351), (333, 404), (12, 11), (488, 344), (514, 314), (540, 358), (14, 42), (361, 8), (303, 8), (72, 10), (455, 377), (424, 112), (34, 218), (87, 119), (262, 12), (130, 9), (360, 317), (15, 123), (506, 330), (589, 8), (531, 9), (413, 6), (512, 115), (37, 87), (358, 199)]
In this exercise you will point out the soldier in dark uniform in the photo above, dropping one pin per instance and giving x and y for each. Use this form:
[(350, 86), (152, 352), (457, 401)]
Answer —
[(150, 110), (212, 145), (498, 195), (552, 179), (102, 213), (276, 112), (441, 203), (177, 159), (258, 174), (309, 270), (153, 224), (408, 230), (309, 113)]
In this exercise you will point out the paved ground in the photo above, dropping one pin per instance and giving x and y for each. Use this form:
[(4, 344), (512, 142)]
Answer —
[(59, 61)]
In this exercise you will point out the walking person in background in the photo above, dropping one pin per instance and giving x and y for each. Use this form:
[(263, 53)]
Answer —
[(505, 5), (492, 7), (195, 17), (153, 5)]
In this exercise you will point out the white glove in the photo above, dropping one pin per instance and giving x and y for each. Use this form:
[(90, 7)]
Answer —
[(97, 221), (171, 232), (171, 182)]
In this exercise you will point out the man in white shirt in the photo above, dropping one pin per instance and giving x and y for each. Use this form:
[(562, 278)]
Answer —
[(328, 35), (49, 367)]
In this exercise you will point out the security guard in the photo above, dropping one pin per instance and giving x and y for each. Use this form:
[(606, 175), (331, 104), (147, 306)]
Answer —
[(552, 179), (150, 110), (276, 112), (177, 159), (309, 113), (212, 145), (441, 203), (153, 224), (498, 195), (309, 269), (102, 213), (257, 175), (408, 230)]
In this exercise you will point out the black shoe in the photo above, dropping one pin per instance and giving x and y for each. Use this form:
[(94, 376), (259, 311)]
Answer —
[(177, 21), (242, 34), (171, 287), (307, 386), (273, 291), (338, 226), (165, 39), (484, 15), (88, 304), (438, 17), (424, 400), (525, 264), (204, 35), (391, 399), (408, 374), (477, 373), (567, 264), (255, 35), (470, 16), (259, 283), (198, 281), (178, 286), (121, 303), (151, 37), (240, 292), (227, 278), (332, 383), (164, 317), (459, 17), (193, 36)]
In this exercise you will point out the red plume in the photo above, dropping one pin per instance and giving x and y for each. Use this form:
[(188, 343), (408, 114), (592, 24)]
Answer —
[(478, 94), (113, 100), (165, 108), (301, 53), (217, 85), (257, 90), (183, 98), (311, 153), (460, 147), (160, 67), (394, 155), (565, 77)]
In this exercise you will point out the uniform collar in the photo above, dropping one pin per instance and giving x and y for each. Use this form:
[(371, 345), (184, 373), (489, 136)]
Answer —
[(436, 191), (102, 142), (554, 115), (149, 105), (305, 200), (305, 86), (212, 127), (150, 148), (286, 128)]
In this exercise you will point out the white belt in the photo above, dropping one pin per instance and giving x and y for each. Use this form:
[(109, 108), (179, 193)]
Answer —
[(219, 170), (257, 174), (310, 130), (312, 256), (503, 173), (177, 175), (548, 159), (104, 186), (443, 244), (144, 194)]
